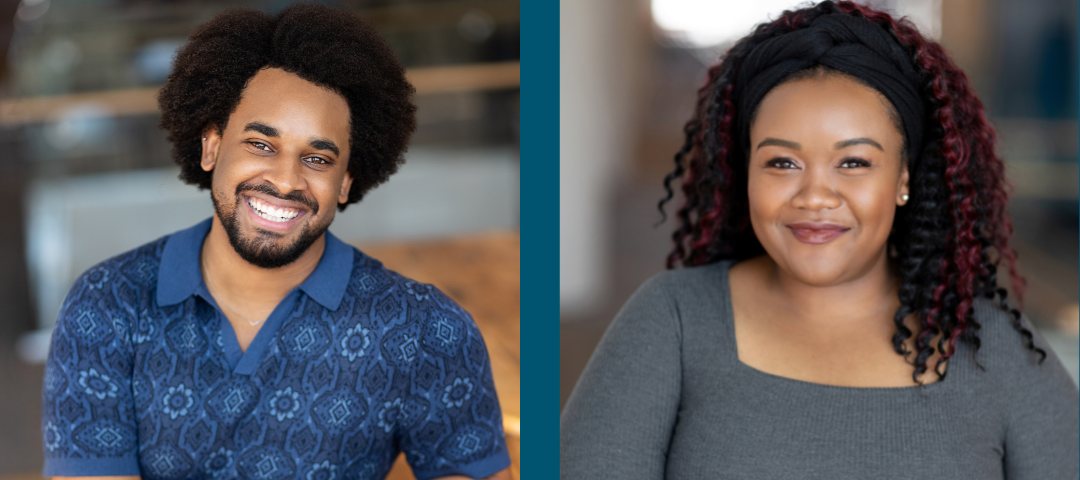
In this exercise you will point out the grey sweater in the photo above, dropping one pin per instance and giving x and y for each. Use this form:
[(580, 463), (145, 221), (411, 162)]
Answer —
[(665, 396)]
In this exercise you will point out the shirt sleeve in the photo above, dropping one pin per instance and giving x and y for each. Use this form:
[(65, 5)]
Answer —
[(618, 422), (461, 431), (88, 421), (1041, 411)]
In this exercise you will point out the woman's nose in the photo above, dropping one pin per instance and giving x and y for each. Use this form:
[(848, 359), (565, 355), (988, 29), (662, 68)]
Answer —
[(816, 193)]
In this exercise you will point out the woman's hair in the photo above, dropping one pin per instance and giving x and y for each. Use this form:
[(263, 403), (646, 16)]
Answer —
[(946, 243), (328, 47)]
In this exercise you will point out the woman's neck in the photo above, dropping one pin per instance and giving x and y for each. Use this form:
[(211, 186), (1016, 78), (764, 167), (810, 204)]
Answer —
[(872, 293)]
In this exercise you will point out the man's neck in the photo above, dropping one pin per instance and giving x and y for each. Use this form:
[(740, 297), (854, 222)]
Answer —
[(248, 284)]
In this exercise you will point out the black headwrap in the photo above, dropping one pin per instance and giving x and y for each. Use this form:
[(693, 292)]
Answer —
[(852, 45)]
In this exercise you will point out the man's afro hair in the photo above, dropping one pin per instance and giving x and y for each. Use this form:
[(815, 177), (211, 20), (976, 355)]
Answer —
[(320, 44)]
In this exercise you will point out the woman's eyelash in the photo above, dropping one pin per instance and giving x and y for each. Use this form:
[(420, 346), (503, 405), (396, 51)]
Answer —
[(854, 163), (787, 163), (781, 163)]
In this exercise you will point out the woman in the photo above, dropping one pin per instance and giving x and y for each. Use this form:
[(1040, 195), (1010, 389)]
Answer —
[(843, 225)]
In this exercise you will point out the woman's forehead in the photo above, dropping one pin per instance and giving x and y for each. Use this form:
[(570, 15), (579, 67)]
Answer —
[(824, 108)]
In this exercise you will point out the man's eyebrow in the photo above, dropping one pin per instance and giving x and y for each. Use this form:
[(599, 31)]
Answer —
[(780, 143), (324, 144), (319, 143), (261, 128), (857, 141)]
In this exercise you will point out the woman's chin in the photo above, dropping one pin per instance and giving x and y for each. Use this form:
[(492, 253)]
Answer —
[(817, 271)]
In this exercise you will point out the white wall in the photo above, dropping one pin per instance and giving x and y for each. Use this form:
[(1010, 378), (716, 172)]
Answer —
[(598, 43)]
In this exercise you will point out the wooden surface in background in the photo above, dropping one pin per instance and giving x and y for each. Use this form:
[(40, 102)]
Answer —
[(143, 101)]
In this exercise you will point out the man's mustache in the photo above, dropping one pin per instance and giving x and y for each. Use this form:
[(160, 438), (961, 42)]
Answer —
[(268, 189)]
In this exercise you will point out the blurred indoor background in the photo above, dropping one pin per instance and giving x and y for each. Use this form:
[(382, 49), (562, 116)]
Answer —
[(86, 174), (630, 70)]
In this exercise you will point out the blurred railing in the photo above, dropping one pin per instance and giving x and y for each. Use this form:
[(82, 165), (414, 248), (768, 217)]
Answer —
[(140, 101)]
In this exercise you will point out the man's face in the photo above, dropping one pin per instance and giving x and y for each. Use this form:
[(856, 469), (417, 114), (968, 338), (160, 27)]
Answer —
[(279, 167)]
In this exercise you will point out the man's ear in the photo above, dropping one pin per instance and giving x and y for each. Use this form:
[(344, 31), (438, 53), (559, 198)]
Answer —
[(211, 141), (346, 185)]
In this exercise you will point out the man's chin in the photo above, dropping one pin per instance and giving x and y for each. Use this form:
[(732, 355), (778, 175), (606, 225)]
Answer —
[(271, 252), (263, 247), (267, 248)]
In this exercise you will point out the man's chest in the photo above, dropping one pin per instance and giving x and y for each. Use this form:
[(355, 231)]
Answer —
[(316, 392)]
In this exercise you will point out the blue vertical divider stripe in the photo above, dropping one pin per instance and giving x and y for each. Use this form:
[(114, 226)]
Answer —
[(539, 239)]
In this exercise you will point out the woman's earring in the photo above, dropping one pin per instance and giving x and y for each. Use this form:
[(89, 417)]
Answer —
[(904, 197)]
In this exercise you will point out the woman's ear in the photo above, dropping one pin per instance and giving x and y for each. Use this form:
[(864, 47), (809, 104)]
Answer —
[(211, 141), (346, 185), (902, 188)]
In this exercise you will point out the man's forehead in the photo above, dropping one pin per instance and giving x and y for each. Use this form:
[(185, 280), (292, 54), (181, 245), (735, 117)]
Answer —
[(290, 105)]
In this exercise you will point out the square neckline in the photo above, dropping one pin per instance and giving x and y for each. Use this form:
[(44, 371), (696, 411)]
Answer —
[(729, 330)]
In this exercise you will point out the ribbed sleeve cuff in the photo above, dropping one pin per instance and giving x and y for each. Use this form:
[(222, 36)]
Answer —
[(85, 467), (479, 469)]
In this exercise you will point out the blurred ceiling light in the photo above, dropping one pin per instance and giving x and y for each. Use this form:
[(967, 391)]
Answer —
[(704, 23), (80, 125), (476, 25), (61, 54), (31, 9), (708, 23), (154, 60)]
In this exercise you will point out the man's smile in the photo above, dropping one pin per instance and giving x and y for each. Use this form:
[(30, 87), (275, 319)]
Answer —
[(270, 214)]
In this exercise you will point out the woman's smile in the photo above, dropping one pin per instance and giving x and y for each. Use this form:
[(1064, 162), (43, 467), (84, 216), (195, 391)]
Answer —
[(816, 233)]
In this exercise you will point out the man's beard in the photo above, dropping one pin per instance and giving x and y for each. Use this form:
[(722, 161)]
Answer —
[(261, 251)]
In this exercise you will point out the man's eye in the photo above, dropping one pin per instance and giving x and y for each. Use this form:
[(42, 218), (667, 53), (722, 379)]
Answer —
[(783, 163), (854, 163), (260, 146), (318, 161)]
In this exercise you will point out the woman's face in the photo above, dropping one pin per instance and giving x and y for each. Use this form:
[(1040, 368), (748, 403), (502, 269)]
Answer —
[(825, 178)]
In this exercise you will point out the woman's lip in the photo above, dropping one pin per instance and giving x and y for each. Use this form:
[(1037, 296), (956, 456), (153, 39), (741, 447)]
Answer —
[(817, 233)]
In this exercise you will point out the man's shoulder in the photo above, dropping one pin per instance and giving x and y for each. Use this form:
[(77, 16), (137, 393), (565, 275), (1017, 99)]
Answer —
[(136, 268), (412, 316), (106, 298), (370, 280)]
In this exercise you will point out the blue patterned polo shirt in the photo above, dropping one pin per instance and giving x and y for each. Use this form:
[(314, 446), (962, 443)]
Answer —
[(145, 376)]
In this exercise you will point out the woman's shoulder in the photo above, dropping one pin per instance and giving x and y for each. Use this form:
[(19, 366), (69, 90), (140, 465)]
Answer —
[(998, 335), (1004, 350), (712, 278), (682, 295)]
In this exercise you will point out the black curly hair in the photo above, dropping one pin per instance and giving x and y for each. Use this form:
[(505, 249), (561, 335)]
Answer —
[(328, 47)]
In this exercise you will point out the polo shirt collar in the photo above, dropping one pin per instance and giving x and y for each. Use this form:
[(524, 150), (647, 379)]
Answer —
[(180, 273), (327, 283)]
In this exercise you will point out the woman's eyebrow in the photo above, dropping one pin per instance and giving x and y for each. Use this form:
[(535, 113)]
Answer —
[(857, 141), (780, 143)]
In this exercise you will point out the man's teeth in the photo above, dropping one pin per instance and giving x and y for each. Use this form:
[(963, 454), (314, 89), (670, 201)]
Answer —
[(270, 212)]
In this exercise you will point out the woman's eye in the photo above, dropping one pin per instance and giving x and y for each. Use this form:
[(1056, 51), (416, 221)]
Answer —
[(854, 163), (783, 163)]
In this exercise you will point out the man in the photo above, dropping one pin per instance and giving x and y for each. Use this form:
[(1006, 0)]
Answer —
[(256, 344)]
